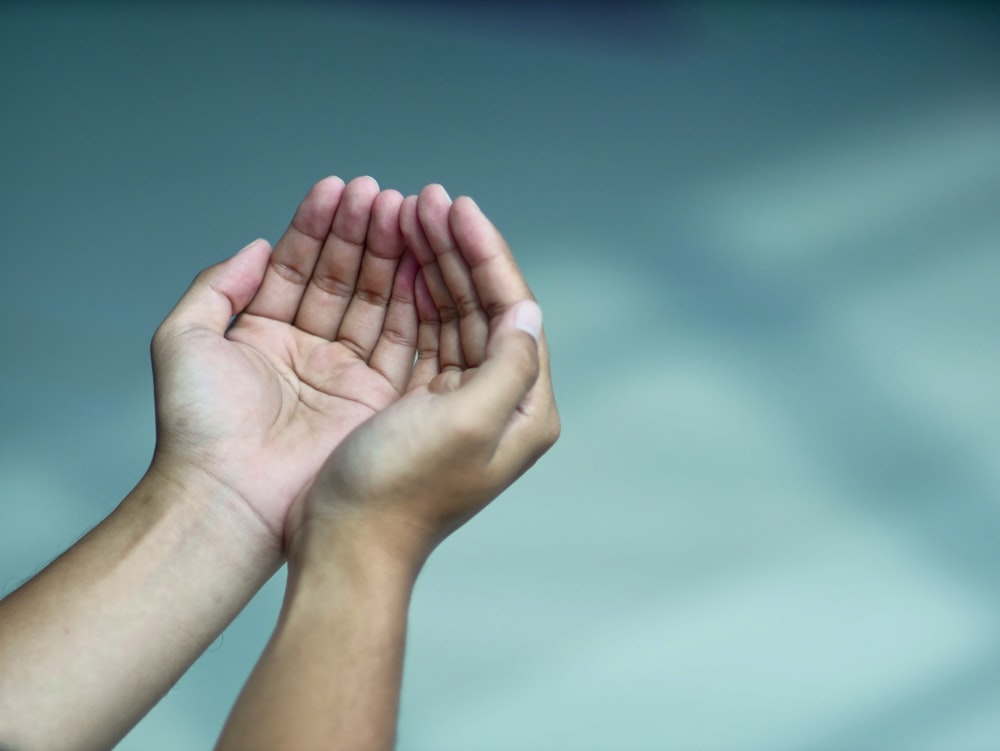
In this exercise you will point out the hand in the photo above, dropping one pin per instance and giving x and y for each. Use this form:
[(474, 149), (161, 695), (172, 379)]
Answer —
[(478, 408), (324, 337)]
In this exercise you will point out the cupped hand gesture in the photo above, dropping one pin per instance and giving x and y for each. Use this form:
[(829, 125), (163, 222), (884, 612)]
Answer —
[(271, 358), (478, 408)]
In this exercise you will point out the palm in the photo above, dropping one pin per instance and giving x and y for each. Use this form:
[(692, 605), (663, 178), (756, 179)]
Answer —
[(468, 423), (295, 398), (327, 341), (315, 380)]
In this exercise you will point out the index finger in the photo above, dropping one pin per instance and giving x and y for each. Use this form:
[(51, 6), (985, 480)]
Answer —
[(295, 254)]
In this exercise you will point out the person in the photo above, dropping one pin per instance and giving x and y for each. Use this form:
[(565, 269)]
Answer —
[(343, 402)]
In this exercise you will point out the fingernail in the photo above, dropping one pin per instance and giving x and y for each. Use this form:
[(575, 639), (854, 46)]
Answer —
[(529, 318), (446, 195)]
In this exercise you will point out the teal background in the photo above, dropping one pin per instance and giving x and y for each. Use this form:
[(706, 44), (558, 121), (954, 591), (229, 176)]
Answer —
[(767, 243)]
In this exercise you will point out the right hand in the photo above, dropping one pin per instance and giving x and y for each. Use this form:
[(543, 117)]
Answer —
[(478, 411), (324, 337)]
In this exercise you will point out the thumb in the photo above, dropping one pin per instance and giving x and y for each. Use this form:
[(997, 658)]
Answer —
[(511, 366), (222, 291)]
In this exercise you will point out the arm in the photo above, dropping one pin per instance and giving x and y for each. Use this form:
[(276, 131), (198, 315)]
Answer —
[(93, 641), (477, 413), (247, 411)]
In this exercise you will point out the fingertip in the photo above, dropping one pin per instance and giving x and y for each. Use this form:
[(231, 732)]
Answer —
[(331, 182), (254, 243), (260, 246), (315, 212), (248, 246), (472, 229), (365, 181), (432, 202), (358, 198), (507, 341), (523, 317), (433, 209), (244, 273), (390, 196), (528, 318), (408, 213), (221, 291), (466, 203), (464, 211), (413, 232), (328, 186), (434, 191), (385, 217)]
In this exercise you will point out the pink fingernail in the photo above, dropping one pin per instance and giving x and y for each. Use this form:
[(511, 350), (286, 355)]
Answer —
[(529, 318)]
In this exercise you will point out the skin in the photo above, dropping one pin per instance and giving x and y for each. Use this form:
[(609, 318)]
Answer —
[(277, 378), (477, 412), (246, 415), (325, 342)]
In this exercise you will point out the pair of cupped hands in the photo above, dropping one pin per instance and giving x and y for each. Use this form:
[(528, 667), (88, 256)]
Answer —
[(379, 376)]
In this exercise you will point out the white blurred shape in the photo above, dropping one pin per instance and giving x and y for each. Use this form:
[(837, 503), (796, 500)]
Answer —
[(801, 204)]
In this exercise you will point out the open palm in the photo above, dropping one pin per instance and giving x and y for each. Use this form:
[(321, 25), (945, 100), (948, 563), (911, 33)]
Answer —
[(478, 408), (325, 337)]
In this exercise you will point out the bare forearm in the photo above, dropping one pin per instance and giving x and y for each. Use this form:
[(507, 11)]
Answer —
[(91, 643), (331, 674)]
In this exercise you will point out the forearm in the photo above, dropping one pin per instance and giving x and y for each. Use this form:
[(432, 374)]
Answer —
[(331, 674), (91, 643)]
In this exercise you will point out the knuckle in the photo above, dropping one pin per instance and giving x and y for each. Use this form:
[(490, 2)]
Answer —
[(467, 303), (398, 337), (290, 273), (163, 342), (447, 313), (552, 430), (203, 275), (159, 338), (331, 285), (352, 344), (496, 309), (374, 297)]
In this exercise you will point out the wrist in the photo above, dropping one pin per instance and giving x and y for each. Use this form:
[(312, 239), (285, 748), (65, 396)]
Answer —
[(152, 585), (331, 673), (350, 549), (210, 506)]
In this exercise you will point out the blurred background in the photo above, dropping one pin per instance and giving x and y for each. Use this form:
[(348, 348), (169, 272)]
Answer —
[(766, 239)]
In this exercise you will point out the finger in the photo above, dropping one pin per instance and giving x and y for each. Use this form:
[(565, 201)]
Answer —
[(450, 344), (428, 362), (498, 281), (393, 354), (332, 282), (433, 208), (296, 252), (497, 388), (222, 291), (499, 285), (362, 325)]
